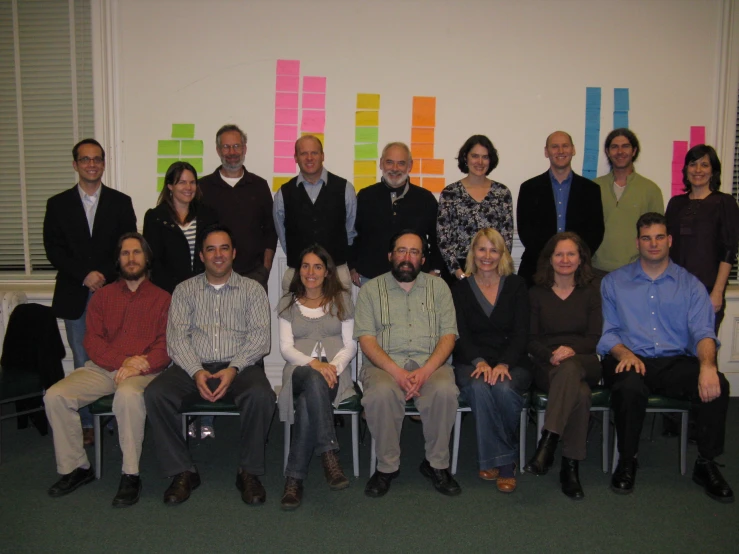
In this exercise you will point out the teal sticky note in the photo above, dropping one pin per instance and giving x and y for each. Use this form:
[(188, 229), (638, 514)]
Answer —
[(366, 134), (183, 130), (192, 147), (164, 163), (365, 151), (168, 148), (197, 163), (160, 184)]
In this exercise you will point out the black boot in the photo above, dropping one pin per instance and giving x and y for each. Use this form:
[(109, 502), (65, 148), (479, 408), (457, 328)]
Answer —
[(544, 456), (569, 476)]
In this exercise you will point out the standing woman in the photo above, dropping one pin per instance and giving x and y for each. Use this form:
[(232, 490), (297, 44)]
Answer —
[(316, 319), (473, 203), (491, 366), (566, 323), (704, 225)]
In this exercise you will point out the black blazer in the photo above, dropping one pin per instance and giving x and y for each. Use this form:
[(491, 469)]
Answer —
[(171, 263), (74, 253), (536, 217)]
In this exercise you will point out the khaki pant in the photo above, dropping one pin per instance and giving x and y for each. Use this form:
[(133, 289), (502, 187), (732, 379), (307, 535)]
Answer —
[(82, 387), (342, 271)]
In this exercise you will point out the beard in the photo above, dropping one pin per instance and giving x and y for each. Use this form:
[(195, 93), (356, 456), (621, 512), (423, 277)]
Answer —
[(232, 166), (405, 272), (395, 181), (133, 275)]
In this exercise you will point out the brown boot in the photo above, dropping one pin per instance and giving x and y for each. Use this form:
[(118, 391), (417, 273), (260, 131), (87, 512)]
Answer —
[(293, 494), (332, 469)]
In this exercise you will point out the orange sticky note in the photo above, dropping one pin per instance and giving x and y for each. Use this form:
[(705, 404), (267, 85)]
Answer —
[(416, 169), (432, 167), (424, 111), (277, 182), (419, 134), (363, 182), (420, 151), (434, 184)]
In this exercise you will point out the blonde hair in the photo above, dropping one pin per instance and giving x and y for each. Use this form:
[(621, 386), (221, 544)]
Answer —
[(505, 265)]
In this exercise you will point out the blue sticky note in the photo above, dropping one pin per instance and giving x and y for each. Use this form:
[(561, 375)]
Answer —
[(620, 119), (590, 159), (621, 100), (592, 97)]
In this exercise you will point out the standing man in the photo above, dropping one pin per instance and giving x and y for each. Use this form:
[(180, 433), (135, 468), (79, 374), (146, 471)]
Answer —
[(126, 340), (390, 206), (243, 202), (557, 200), (625, 195), (315, 207), (658, 338), (82, 226), (217, 333), (406, 326)]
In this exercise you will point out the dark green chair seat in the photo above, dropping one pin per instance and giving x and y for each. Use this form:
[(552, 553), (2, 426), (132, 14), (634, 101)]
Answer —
[(600, 398), (351, 404), (102, 406), (219, 407), (662, 403)]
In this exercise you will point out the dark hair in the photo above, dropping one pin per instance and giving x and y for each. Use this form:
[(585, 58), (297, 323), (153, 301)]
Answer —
[(695, 154), (229, 127), (622, 132), (148, 254), (396, 236), (215, 228), (545, 272), (170, 178), (471, 142), (76, 147), (304, 137), (648, 219), (333, 290)]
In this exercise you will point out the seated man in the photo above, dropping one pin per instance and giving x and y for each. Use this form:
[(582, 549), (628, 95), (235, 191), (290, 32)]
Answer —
[(126, 342), (406, 326), (218, 332), (658, 338)]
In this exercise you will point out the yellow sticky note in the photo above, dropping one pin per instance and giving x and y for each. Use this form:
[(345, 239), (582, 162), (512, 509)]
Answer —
[(368, 101), (368, 119), (363, 182), (365, 168), (277, 182), (319, 136)]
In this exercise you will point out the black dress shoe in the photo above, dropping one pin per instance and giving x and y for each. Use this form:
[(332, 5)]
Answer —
[(72, 481), (707, 475), (440, 478), (624, 476), (129, 491), (292, 495), (569, 477), (543, 458), (379, 483), (252, 491), (182, 485)]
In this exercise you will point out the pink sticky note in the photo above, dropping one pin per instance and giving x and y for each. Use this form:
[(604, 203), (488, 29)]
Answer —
[(286, 132), (679, 149), (287, 83), (286, 100), (286, 117), (284, 165), (314, 84), (697, 136), (288, 67), (314, 121), (314, 101), (284, 149)]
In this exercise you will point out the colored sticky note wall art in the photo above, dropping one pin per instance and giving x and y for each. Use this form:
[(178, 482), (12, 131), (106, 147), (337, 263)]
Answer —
[(679, 150), (366, 136), (620, 108), (182, 146), (426, 168), (592, 132)]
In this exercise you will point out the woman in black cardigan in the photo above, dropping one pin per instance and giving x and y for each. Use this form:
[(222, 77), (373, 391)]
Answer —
[(490, 361)]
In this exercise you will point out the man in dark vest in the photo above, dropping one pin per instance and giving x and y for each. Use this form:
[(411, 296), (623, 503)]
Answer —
[(315, 207)]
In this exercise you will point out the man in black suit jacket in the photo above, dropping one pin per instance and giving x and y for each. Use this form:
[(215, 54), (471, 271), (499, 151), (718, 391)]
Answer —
[(557, 200), (81, 229)]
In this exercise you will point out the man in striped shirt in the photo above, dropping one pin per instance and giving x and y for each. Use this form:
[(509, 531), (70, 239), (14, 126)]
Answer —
[(218, 331)]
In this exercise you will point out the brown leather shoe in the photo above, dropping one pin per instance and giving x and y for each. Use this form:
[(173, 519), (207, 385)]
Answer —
[(332, 470), (489, 474), (88, 436), (507, 484), (293, 494), (182, 485), (252, 491)]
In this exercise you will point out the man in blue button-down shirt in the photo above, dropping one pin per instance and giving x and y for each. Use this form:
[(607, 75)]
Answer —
[(658, 338)]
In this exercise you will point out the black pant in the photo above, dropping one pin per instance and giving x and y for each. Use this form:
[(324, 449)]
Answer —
[(673, 377), (169, 394)]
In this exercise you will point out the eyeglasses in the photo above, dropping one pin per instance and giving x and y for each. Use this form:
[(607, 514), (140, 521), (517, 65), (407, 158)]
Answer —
[(86, 160), (414, 253), (232, 147)]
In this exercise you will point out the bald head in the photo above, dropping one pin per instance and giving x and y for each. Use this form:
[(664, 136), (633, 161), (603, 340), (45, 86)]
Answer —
[(559, 136)]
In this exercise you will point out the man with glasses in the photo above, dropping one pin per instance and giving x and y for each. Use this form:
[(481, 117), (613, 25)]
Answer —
[(243, 202), (406, 326), (82, 226)]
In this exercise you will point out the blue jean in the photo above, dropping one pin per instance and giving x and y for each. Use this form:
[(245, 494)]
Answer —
[(497, 410), (75, 329), (313, 430)]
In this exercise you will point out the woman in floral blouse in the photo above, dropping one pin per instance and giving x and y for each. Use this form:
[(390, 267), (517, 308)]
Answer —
[(473, 203)]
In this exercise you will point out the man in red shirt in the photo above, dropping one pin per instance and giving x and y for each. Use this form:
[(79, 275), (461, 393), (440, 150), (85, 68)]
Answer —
[(126, 342)]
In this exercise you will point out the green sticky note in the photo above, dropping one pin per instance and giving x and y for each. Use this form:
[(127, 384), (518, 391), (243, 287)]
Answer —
[(192, 147), (164, 163), (160, 184), (183, 130), (168, 148), (366, 134), (365, 151), (197, 163)]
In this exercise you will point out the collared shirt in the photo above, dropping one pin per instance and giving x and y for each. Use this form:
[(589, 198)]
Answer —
[(407, 325), (230, 324), (666, 316), (90, 203), (123, 323), (561, 196), (396, 193), (350, 201)]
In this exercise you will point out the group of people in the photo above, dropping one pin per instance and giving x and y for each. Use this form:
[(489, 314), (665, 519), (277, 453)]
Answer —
[(174, 316)]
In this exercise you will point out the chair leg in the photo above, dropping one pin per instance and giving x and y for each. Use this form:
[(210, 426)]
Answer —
[(98, 446), (455, 444), (184, 426), (286, 447), (522, 439), (684, 443), (615, 451), (539, 424), (355, 443), (373, 458), (606, 428)]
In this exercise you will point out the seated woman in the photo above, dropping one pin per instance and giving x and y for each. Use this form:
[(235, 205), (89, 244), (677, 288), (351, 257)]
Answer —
[(566, 323), (490, 361), (316, 319)]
